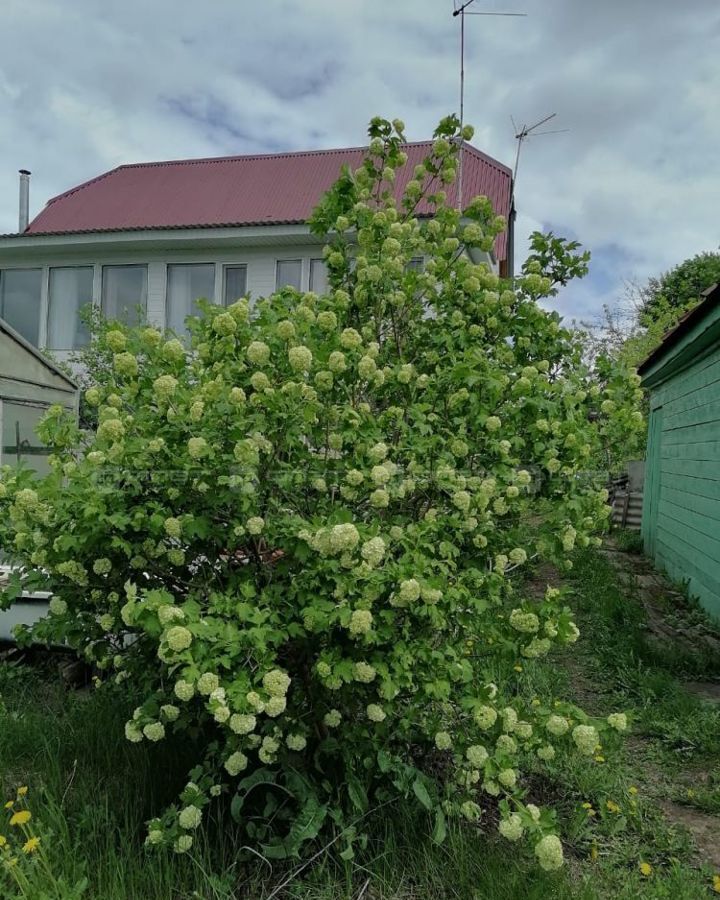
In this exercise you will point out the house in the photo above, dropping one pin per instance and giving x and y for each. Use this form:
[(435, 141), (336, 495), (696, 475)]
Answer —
[(30, 384), (681, 516), (159, 235)]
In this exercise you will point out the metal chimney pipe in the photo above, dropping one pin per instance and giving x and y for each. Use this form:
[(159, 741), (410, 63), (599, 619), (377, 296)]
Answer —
[(24, 215)]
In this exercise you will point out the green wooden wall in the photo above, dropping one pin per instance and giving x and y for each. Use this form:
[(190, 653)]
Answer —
[(681, 518)]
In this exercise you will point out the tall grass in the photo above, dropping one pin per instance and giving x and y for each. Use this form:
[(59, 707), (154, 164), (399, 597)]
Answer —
[(91, 791)]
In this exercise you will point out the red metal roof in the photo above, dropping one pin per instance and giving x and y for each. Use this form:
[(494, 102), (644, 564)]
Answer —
[(281, 188)]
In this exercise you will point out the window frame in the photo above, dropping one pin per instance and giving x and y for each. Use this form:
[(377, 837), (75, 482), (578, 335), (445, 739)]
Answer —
[(92, 267), (323, 262), (288, 259), (169, 265), (126, 265), (41, 271), (226, 301)]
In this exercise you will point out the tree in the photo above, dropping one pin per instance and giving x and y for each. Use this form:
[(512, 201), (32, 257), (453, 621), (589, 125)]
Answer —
[(678, 289), (295, 539)]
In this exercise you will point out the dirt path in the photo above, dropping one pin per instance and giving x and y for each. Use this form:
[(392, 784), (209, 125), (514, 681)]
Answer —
[(658, 596)]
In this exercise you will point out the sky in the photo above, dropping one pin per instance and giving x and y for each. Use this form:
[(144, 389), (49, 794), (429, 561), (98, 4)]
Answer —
[(85, 87)]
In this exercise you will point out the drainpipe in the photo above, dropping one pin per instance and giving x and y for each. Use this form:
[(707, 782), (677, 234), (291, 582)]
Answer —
[(24, 214)]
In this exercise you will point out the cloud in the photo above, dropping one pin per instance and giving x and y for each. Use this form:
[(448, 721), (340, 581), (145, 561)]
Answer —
[(85, 87)]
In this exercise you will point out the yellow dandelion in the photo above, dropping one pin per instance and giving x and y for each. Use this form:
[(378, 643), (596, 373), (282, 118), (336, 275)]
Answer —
[(587, 806), (10, 804), (22, 817), (632, 790), (599, 759), (518, 668), (31, 845), (716, 883), (22, 791), (646, 869), (612, 806)]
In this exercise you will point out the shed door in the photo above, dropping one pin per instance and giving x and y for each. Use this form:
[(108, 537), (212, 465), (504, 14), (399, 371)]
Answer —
[(651, 494)]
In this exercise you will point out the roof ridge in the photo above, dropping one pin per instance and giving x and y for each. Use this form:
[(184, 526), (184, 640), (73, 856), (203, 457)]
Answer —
[(327, 151), (78, 187)]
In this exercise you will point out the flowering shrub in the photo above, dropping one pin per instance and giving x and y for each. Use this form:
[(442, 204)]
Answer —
[(297, 537)]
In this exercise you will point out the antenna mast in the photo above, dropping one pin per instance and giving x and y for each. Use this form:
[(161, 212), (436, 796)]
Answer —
[(521, 135), (461, 11)]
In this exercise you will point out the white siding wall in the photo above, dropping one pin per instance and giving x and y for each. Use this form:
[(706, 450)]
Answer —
[(260, 262)]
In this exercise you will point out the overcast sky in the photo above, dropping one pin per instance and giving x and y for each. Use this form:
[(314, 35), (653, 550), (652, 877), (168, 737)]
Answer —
[(86, 86)]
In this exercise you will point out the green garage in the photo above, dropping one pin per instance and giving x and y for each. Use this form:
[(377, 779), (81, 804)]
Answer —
[(681, 507)]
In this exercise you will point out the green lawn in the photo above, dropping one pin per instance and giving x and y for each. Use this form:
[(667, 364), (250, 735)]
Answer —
[(90, 791)]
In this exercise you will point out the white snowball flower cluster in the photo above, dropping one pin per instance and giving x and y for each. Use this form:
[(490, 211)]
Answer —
[(276, 683), (363, 672), (549, 852), (511, 827), (586, 739), (168, 614), (183, 843), (165, 386), (409, 591), (375, 713), (184, 690), (485, 717), (178, 638), (332, 718), (344, 538), (618, 721), (506, 744), (373, 551), (242, 724), (236, 763), (57, 606), (258, 353), (476, 755), (207, 683), (154, 731), (557, 725), (350, 339), (361, 621), (190, 817), (300, 359), (525, 622), (296, 742), (173, 527)]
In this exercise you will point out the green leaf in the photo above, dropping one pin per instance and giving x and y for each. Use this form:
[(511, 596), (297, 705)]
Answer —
[(439, 832), (421, 792), (357, 793)]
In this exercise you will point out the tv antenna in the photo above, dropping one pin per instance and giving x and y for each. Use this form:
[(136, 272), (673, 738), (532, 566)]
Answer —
[(462, 11), (525, 132)]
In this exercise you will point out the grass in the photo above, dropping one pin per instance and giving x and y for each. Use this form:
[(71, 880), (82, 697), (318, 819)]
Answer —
[(91, 791)]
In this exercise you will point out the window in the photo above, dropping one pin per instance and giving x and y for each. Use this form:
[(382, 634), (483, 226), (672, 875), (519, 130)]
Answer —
[(124, 293), (19, 440), (71, 288), (416, 264), (319, 276), (235, 285), (288, 274), (187, 283), (20, 301)]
